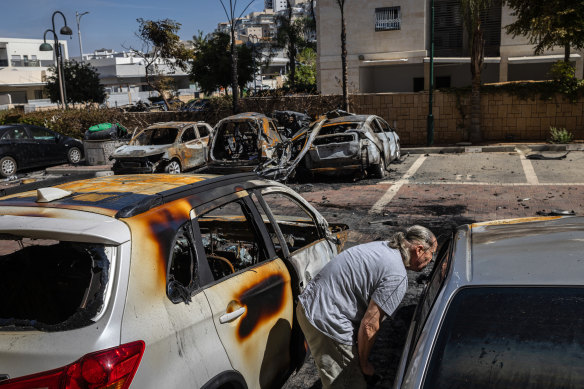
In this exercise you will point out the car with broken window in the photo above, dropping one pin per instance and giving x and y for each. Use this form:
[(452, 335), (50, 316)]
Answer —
[(504, 308), (25, 146), (157, 281), (353, 144), (243, 142), (169, 147)]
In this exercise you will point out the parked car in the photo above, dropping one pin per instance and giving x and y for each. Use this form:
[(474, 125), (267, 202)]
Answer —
[(158, 282), (170, 147), (504, 308), (243, 142), (24, 146), (354, 143)]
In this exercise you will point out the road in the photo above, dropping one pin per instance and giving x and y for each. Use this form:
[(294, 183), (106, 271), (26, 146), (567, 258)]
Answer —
[(440, 191)]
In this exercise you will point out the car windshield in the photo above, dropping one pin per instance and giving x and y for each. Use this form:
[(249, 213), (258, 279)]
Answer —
[(51, 285), (156, 136), (510, 337)]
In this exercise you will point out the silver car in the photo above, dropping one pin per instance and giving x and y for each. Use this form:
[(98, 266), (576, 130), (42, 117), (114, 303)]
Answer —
[(356, 143), (158, 281), (504, 308)]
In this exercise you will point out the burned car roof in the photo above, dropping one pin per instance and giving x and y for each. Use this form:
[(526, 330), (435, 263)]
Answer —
[(129, 195)]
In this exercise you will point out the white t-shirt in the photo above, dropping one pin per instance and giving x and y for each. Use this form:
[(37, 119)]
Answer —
[(337, 298)]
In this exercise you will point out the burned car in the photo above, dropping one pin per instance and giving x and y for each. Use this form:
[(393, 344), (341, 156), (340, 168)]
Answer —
[(159, 281), (354, 143), (504, 308), (170, 147), (242, 142)]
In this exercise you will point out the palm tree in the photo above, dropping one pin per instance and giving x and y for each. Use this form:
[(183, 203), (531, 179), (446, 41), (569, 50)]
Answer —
[(471, 13)]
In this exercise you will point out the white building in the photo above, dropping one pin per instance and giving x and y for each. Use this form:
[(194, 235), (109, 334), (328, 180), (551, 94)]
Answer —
[(23, 69)]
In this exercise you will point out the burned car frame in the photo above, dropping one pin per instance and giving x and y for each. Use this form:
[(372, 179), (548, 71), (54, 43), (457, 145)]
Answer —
[(157, 281), (361, 144), (170, 147)]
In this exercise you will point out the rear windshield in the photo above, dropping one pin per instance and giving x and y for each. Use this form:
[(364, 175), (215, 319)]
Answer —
[(51, 285), (237, 140), (511, 338), (339, 128), (156, 136)]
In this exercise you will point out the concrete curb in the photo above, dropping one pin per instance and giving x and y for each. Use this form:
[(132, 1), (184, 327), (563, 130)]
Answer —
[(492, 149)]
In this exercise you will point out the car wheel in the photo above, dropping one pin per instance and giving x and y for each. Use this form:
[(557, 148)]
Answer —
[(379, 169), (173, 167), (74, 155), (7, 167)]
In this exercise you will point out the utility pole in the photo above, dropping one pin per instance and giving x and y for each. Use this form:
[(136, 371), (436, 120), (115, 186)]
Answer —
[(430, 121), (78, 17)]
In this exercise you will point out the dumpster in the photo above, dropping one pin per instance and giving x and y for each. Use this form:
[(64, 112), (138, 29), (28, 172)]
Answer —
[(101, 140)]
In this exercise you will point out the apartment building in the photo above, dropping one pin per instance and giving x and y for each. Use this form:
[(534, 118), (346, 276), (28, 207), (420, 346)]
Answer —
[(388, 47), (23, 69)]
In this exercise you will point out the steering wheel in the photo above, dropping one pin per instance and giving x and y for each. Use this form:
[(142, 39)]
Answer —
[(220, 266)]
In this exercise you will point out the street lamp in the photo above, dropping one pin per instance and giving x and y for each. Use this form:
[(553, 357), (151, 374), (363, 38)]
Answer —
[(65, 30), (430, 121), (78, 17)]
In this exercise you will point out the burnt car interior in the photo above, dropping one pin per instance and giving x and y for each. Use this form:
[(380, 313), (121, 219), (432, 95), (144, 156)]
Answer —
[(237, 140), (230, 241), (50, 285), (338, 128), (156, 136)]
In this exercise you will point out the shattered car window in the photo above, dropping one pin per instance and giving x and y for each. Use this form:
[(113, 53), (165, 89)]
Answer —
[(156, 136), (51, 285), (183, 275), (188, 135), (230, 241), (339, 128), (237, 140)]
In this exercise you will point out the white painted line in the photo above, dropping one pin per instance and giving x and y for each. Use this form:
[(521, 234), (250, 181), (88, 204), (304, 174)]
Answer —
[(527, 168), (490, 183), (459, 177), (392, 191)]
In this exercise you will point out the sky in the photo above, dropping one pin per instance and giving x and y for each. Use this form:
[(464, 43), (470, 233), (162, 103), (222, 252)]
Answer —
[(111, 24)]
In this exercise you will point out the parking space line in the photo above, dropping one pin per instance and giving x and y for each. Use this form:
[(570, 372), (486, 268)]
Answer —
[(393, 189), (494, 183), (528, 169)]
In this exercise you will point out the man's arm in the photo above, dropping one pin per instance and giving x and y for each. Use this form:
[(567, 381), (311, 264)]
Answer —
[(366, 337)]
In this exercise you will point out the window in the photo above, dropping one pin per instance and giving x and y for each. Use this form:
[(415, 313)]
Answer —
[(40, 133), (510, 337), (442, 82), (387, 18), (188, 135), (297, 225), (182, 269), (203, 131), (269, 227), (15, 133), (230, 240), (376, 128)]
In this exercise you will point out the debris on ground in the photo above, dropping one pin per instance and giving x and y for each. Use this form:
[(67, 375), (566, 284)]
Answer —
[(556, 212), (545, 157)]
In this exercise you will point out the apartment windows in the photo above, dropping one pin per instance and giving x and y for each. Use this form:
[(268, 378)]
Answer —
[(387, 18)]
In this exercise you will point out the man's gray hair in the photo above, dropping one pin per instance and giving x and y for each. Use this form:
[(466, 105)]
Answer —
[(402, 241)]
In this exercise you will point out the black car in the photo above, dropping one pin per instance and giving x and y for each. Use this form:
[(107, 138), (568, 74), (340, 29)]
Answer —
[(25, 146)]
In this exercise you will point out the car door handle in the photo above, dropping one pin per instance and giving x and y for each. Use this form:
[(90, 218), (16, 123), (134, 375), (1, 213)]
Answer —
[(231, 315)]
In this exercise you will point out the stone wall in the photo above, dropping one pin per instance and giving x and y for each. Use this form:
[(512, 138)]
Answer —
[(504, 118)]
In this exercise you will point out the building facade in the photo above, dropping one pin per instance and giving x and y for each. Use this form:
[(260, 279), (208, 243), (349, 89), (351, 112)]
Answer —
[(388, 47), (23, 69)]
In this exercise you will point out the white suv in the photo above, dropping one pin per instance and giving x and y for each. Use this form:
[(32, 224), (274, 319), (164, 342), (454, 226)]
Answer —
[(163, 281)]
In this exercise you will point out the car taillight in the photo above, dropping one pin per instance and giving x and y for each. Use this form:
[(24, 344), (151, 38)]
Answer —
[(113, 368)]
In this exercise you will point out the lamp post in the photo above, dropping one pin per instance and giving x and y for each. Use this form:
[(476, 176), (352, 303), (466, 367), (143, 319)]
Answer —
[(430, 121), (78, 17), (65, 30)]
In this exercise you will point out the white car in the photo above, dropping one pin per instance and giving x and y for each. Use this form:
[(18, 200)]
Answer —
[(160, 281)]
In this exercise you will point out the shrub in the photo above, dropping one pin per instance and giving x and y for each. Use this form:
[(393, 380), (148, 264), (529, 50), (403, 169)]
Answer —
[(560, 135)]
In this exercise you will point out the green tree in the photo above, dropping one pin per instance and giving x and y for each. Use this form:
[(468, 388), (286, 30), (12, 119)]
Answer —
[(289, 36), (161, 52), (549, 23), (471, 13), (81, 84), (306, 71), (212, 63)]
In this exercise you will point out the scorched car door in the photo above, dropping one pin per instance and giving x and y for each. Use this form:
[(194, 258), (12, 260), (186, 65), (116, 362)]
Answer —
[(192, 149), (251, 297)]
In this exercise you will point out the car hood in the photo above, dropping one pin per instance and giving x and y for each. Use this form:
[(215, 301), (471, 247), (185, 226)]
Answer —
[(140, 151)]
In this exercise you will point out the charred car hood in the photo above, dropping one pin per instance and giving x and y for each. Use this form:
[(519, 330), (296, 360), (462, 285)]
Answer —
[(140, 151)]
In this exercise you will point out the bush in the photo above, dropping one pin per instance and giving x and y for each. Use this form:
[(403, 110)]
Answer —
[(560, 135)]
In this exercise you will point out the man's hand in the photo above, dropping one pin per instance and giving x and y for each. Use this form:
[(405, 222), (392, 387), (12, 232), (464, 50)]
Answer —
[(367, 331)]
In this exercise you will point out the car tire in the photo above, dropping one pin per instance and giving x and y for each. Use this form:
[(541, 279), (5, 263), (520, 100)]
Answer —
[(74, 155), (378, 170), (8, 167), (173, 167)]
